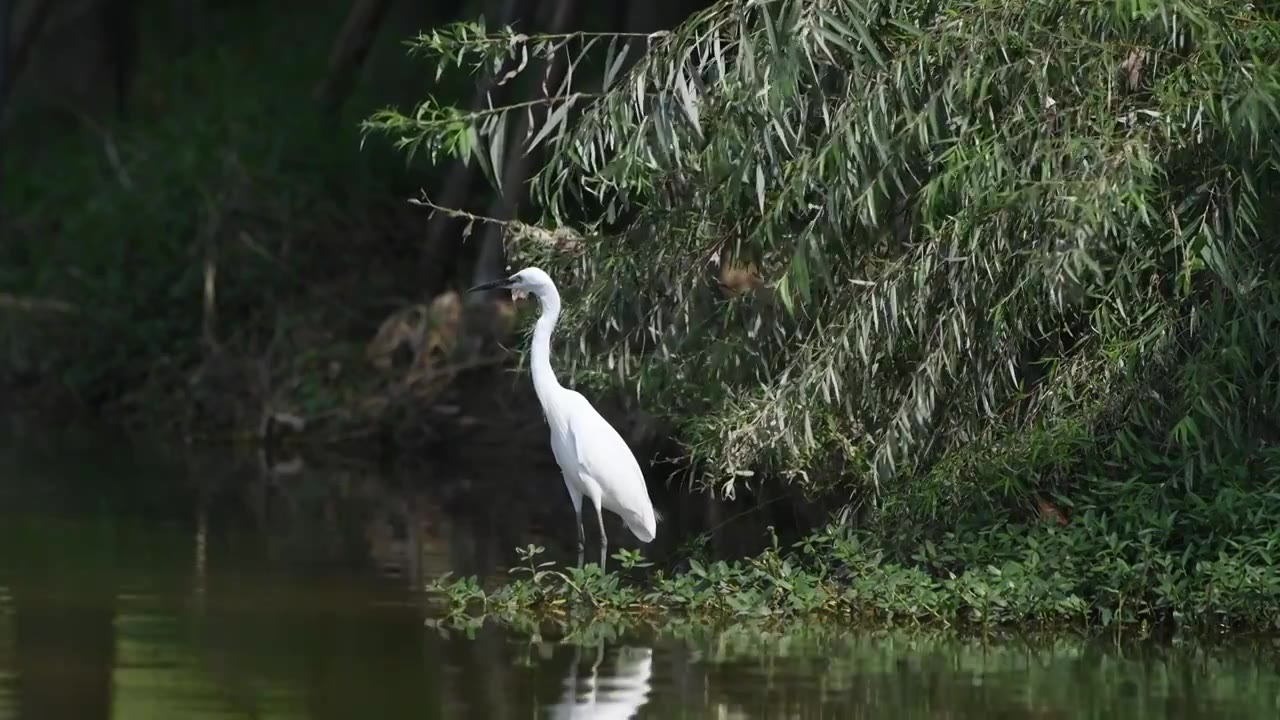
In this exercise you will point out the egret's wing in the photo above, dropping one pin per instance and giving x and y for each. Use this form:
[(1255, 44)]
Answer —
[(605, 457)]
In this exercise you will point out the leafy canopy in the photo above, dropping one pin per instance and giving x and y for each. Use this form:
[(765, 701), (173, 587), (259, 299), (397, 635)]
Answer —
[(943, 244)]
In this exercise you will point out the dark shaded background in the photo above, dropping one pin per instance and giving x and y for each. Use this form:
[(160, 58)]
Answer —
[(196, 242), (185, 188)]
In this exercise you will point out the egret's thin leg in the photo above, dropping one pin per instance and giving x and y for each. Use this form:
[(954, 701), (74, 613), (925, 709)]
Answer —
[(604, 539), (576, 498), (582, 537)]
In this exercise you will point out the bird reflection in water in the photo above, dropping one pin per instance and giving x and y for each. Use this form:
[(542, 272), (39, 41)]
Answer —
[(619, 694)]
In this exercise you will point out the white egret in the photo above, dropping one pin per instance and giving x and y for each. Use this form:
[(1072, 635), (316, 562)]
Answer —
[(593, 457)]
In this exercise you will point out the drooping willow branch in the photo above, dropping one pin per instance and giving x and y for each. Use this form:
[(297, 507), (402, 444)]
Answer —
[(967, 222)]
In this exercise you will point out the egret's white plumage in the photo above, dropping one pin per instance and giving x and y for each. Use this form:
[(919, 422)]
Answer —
[(596, 462)]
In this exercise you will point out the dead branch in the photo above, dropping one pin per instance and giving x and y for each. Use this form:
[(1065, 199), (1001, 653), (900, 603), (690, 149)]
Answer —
[(565, 239), (29, 304)]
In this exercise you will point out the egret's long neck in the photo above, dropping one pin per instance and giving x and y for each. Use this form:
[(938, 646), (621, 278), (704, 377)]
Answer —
[(544, 378)]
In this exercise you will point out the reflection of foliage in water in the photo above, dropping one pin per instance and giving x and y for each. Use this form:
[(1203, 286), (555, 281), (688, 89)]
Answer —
[(901, 673), (805, 668)]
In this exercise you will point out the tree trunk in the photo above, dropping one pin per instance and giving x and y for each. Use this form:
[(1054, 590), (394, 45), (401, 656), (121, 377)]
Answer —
[(23, 39), (187, 13), (119, 20), (349, 52), (490, 262), (461, 182), (644, 16), (6, 28), (6, 25), (351, 48)]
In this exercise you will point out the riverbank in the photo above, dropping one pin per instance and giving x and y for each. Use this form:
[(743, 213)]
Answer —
[(1129, 557), (1120, 562)]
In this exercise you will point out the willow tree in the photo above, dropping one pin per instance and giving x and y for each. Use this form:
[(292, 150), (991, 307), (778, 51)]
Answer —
[(929, 249)]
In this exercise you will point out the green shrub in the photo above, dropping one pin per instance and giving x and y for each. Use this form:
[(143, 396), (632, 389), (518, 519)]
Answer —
[(1199, 563), (995, 247)]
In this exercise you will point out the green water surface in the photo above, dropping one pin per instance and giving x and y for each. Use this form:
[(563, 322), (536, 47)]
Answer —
[(138, 585)]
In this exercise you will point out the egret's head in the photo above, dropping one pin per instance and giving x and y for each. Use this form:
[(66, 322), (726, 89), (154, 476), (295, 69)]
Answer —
[(530, 281)]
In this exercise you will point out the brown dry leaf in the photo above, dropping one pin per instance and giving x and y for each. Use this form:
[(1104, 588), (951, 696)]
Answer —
[(445, 318), (736, 279), (441, 338), (405, 326), (1132, 66), (1050, 513)]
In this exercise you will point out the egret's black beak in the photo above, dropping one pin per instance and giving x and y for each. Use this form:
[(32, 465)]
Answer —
[(493, 285)]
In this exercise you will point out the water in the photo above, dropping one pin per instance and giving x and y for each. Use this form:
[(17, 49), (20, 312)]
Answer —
[(164, 586)]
